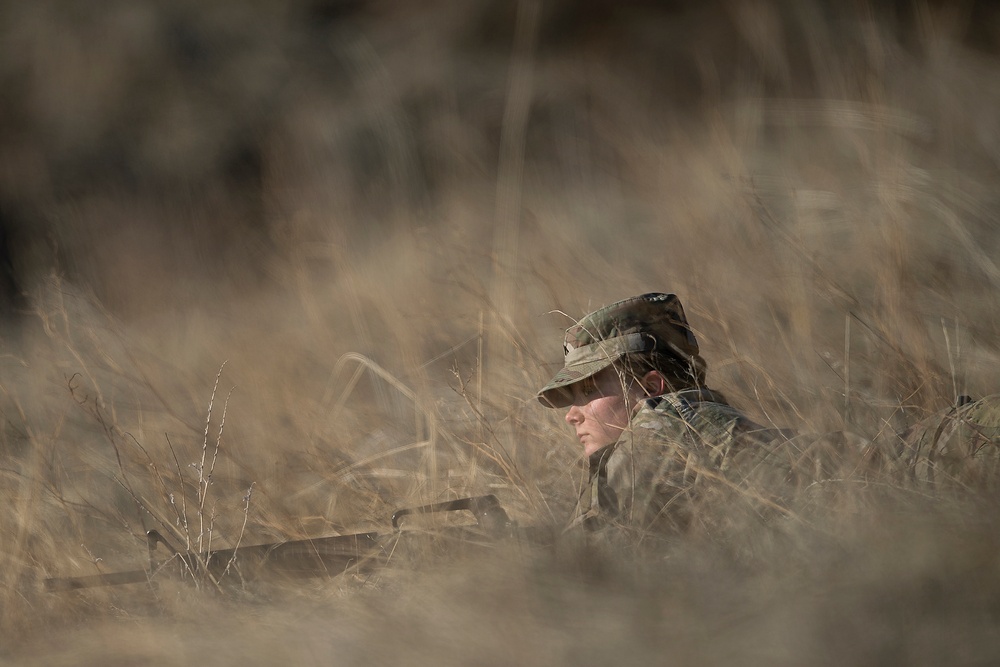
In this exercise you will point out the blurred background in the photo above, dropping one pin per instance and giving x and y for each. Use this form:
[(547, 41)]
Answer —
[(204, 206)]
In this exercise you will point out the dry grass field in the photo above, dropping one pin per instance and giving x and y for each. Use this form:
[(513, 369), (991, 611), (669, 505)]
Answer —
[(274, 269)]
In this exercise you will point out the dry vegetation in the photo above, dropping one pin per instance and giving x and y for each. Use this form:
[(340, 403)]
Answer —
[(437, 189)]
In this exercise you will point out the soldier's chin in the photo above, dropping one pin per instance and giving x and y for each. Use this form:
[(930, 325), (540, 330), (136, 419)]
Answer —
[(590, 448)]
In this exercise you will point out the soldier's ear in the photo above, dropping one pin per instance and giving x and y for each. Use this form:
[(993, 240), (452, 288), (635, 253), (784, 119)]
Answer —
[(654, 384)]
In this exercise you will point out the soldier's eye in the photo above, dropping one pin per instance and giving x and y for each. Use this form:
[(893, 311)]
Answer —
[(588, 386)]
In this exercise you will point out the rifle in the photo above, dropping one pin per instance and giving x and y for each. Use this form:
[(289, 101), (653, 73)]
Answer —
[(317, 556)]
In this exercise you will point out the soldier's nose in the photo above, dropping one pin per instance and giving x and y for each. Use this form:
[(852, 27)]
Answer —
[(574, 415)]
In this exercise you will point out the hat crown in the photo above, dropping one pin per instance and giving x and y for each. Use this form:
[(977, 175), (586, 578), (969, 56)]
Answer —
[(657, 316)]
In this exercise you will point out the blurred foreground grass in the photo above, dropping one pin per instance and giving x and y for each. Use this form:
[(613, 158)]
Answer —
[(816, 183)]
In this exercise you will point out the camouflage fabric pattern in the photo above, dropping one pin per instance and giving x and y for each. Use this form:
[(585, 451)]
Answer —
[(645, 323)]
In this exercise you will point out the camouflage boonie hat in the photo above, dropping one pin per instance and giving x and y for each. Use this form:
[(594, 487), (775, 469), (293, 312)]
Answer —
[(652, 322)]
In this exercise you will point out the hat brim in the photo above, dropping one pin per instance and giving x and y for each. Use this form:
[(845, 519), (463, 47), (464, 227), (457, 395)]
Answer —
[(557, 393)]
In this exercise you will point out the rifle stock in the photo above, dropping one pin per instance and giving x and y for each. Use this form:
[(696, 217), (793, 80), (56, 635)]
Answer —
[(312, 557)]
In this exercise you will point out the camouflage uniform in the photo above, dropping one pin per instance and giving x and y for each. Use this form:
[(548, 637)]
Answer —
[(688, 448)]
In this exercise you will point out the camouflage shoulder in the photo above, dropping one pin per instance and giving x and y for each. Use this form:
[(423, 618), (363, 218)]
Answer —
[(696, 409), (715, 428)]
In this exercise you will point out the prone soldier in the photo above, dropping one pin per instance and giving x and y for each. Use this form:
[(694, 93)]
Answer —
[(660, 443)]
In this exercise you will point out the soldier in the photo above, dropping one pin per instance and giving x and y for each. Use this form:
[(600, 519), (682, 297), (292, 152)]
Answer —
[(660, 444)]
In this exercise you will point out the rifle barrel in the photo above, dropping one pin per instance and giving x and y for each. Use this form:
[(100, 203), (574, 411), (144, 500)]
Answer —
[(311, 557), (329, 556)]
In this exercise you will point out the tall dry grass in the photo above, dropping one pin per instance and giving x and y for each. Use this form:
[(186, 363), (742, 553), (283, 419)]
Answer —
[(383, 277)]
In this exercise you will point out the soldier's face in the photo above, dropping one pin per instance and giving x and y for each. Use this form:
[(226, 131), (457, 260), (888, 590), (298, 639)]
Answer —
[(601, 410)]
